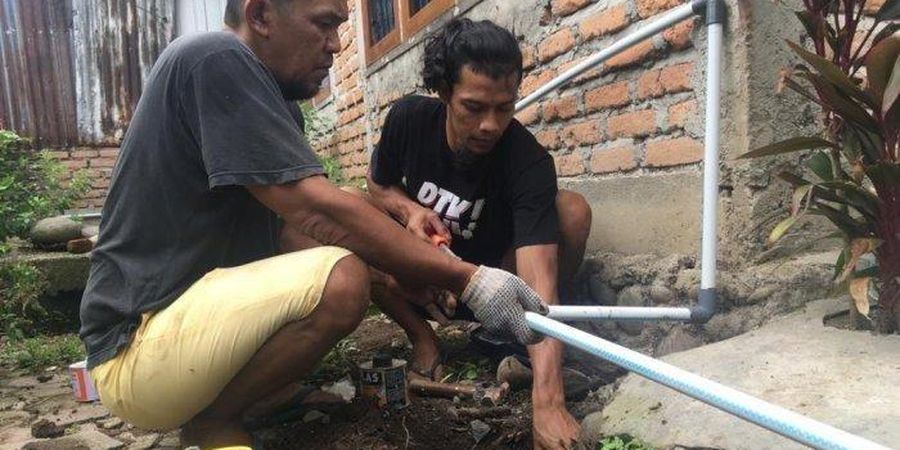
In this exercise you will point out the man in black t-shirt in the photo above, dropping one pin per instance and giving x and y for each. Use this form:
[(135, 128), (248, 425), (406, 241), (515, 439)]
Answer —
[(460, 169), (190, 317)]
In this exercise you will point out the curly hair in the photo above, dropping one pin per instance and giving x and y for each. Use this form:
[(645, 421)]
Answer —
[(484, 46)]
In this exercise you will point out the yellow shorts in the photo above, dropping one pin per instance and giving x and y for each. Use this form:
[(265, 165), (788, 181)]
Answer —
[(181, 358)]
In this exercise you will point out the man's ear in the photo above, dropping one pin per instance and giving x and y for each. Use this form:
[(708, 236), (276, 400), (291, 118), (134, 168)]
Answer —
[(258, 16)]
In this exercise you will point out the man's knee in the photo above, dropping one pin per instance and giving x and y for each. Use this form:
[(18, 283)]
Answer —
[(574, 214), (346, 295)]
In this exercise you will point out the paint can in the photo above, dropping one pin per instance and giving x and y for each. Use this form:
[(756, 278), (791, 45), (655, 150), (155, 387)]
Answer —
[(383, 382), (82, 384)]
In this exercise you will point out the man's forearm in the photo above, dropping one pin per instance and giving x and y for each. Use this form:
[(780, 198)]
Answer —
[(393, 200), (538, 266), (334, 217)]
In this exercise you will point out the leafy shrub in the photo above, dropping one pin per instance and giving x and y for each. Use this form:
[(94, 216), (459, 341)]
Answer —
[(854, 179), (622, 442), (32, 186), (21, 286)]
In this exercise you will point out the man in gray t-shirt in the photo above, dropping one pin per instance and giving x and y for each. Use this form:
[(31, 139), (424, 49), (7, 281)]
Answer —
[(191, 317)]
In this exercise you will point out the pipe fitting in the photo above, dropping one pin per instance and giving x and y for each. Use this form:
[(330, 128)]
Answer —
[(706, 306), (713, 10)]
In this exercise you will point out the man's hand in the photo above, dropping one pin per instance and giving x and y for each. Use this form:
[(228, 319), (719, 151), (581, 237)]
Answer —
[(499, 301), (424, 222), (554, 428)]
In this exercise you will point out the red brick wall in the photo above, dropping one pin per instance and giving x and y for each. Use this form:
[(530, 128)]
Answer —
[(97, 163)]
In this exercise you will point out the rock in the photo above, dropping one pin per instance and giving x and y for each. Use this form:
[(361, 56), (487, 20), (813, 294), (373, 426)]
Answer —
[(8, 418), (511, 371), (313, 416), (345, 389), (111, 423), (126, 436), (79, 414), (44, 377), (479, 430), (46, 429), (170, 440), (89, 231), (83, 440), (144, 442), (661, 294), (631, 296), (677, 340), (80, 245), (55, 230), (601, 293)]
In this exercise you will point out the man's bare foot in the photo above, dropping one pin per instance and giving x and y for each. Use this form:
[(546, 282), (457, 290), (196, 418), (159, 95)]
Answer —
[(426, 361), (206, 433), (554, 428)]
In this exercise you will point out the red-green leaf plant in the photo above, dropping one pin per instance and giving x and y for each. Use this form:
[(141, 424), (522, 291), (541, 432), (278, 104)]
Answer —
[(853, 74)]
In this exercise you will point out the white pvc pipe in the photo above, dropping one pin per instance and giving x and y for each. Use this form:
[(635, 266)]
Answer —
[(711, 158), (565, 312), (775, 418), (665, 21)]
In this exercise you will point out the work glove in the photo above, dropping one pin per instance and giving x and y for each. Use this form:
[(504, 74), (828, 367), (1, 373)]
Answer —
[(499, 300)]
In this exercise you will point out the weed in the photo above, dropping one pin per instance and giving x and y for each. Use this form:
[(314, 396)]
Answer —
[(622, 442), (37, 353), (21, 285)]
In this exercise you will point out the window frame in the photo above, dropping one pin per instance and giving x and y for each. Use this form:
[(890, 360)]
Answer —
[(406, 26)]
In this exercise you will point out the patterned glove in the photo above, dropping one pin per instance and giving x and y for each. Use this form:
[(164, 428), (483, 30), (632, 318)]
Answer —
[(499, 300)]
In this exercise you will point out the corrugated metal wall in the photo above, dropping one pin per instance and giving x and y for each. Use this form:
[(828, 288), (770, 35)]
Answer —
[(193, 16), (72, 70)]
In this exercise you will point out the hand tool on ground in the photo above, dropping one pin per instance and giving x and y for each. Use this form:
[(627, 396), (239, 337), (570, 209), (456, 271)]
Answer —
[(490, 395)]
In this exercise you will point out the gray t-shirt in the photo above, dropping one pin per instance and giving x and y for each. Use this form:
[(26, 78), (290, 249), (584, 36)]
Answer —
[(211, 119)]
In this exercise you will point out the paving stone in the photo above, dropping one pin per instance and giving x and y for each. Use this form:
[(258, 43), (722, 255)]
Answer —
[(22, 382), (9, 419), (89, 439), (143, 442), (111, 423), (171, 439), (13, 438), (81, 413)]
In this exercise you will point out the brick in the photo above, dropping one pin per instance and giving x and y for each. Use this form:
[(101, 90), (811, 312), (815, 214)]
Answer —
[(535, 80), (548, 138), (647, 8), (608, 96), (103, 162), (648, 85), (111, 152), (569, 165), (673, 152), (613, 160), (634, 55), (74, 163), (604, 22), (632, 124), (356, 171), (84, 154), (566, 7), (677, 78), (529, 115), (561, 108), (679, 36), (584, 133), (528, 58), (556, 44), (680, 113)]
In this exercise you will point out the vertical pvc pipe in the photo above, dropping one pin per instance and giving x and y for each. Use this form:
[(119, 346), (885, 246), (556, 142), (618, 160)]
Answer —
[(775, 418), (711, 158)]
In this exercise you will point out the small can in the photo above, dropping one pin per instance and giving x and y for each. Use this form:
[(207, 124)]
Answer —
[(383, 382), (82, 384)]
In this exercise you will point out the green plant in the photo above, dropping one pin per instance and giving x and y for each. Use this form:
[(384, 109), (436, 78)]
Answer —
[(315, 126), (855, 180), (622, 442), (38, 353), (21, 285), (466, 370), (33, 185), (333, 169)]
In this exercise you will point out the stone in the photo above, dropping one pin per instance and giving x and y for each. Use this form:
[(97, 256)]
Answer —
[(314, 416), (600, 291), (479, 430), (679, 339), (79, 414), (55, 230), (171, 440), (15, 437), (126, 436), (144, 442), (631, 296), (511, 371), (661, 294), (46, 429), (842, 378), (111, 423), (83, 440)]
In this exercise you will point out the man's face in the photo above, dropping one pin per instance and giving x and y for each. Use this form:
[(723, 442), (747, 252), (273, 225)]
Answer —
[(479, 109), (301, 37)]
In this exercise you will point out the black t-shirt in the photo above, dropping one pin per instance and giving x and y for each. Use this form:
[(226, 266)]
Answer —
[(506, 199), (210, 120)]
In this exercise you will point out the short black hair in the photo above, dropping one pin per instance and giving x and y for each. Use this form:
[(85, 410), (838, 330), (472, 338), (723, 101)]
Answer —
[(486, 47)]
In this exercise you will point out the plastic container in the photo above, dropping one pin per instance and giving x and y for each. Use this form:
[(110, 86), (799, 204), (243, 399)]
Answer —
[(82, 383)]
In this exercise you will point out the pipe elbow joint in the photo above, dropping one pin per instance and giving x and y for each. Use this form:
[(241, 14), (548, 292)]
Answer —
[(705, 308)]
